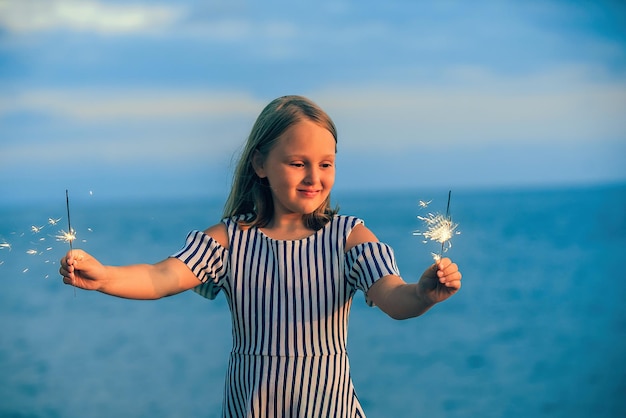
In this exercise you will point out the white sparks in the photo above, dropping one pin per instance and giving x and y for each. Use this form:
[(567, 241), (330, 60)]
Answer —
[(66, 236), (35, 242), (440, 228)]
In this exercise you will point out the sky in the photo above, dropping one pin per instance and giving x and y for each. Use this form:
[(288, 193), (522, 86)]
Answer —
[(133, 99)]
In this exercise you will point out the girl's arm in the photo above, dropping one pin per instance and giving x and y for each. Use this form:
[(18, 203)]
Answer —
[(400, 300), (139, 281)]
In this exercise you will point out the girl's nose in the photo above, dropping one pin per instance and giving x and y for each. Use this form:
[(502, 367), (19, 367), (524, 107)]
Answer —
[(312, 176)]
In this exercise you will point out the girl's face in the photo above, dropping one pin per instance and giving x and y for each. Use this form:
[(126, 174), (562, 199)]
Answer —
[(300, 168)]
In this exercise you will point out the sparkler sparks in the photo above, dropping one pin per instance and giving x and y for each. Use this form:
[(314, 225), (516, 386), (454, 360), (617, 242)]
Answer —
[(66, 236), (439, 228), (31, 249), (36, 229)]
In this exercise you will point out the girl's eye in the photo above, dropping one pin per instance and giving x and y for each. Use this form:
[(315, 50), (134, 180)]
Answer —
[(297, 164), (327, 165)]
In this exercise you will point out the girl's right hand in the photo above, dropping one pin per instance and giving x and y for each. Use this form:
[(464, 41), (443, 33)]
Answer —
[(80, 269)]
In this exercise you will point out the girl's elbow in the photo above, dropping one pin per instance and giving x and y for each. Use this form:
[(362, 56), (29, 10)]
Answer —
[(399, 315), (403, 314)]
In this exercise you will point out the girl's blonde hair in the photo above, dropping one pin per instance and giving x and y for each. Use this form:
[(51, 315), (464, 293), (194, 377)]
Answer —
[(250, 195)]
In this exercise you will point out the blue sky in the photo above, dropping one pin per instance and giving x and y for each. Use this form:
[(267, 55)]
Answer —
[(154, 98)]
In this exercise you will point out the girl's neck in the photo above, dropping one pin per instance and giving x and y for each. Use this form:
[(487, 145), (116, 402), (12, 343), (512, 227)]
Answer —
[(287, 228)]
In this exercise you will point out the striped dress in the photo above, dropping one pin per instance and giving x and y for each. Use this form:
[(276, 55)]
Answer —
[(289, 302)]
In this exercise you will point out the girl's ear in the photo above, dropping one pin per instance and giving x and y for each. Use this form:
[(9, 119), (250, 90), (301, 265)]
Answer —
[(257, 164)]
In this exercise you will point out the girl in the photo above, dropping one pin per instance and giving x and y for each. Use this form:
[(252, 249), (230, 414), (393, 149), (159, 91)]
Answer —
[(288, 265)]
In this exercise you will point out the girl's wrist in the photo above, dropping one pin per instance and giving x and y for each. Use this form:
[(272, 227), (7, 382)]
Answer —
[(423, 297)]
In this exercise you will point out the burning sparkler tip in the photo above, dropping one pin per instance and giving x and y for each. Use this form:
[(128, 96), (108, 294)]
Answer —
[(66, 236), (439, 228)]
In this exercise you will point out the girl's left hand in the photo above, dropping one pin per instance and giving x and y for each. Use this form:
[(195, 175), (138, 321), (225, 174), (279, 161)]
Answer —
[(440, 281)]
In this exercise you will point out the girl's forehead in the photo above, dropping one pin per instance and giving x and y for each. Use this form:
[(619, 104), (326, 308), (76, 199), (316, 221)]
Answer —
[(306, 135)]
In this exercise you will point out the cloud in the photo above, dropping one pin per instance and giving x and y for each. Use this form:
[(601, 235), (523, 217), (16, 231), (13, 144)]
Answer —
[(487, 127), (470, 106), (97, 105), (91, 16), (129, 127), (25, 16), (565, 105)]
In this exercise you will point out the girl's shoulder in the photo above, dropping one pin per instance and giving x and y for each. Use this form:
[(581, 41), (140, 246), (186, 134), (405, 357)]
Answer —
[(219, 233), (357, 233), (348, 222), (222, 231)]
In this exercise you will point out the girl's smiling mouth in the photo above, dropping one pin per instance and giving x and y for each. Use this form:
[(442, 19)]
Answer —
[(309, 192)]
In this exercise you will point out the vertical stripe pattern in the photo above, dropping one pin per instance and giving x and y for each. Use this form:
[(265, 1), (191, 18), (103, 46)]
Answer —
[(289, 302)]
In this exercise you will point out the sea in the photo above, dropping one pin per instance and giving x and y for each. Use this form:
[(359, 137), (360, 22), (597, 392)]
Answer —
[(537, 330)]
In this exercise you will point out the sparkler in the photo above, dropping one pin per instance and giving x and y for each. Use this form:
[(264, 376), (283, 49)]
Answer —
[(66, 237), (439, 228), (449, 221), (35, 243), (71, 234)]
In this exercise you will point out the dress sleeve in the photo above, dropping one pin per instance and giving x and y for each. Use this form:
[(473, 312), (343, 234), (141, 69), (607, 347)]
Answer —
[(368, 262), (205, 257)]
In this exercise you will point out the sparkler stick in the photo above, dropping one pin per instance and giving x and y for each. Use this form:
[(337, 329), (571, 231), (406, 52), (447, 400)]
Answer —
[(69, 224), (447, 218), (70, 236)]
